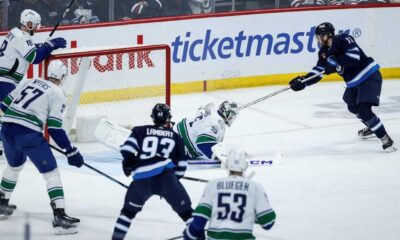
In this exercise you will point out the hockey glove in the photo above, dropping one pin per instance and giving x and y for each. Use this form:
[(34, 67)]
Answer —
[(127, 167), (296, 84), (57, 43), (74, 157)]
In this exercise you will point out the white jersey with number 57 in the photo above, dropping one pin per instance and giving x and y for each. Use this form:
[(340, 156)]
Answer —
[(35, 103), (232, 205), (208, 127), (16, 53)]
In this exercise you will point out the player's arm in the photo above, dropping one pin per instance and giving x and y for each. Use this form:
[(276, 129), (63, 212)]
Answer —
[(343, 53), (208, 139), (180, 158), (129, 151), (351, 55), (36, 53), (201, 215), (265, 215), (11, 96), (297, 84), (6, 103), (54, 125)]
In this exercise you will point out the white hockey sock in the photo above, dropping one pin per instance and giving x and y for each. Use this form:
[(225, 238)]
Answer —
[(9, 180), (54, 188)]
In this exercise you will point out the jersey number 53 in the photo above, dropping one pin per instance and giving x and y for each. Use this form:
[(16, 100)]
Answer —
[(225, 209)]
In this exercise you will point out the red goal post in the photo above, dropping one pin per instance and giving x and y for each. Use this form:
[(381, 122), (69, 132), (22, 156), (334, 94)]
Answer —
[(121, 84)]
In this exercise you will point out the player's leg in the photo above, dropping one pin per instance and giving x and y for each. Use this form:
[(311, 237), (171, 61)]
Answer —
[(38, 150), (138, 193), (350, 98), (368, 96), (5, 89), (175, 194), (15, 160)]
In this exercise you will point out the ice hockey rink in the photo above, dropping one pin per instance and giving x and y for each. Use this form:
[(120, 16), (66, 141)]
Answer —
[(325, 183)]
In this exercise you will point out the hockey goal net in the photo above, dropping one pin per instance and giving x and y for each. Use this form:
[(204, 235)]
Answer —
[(121, 84)]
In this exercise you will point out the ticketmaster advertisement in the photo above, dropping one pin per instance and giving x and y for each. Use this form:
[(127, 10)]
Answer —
[(253, 45)]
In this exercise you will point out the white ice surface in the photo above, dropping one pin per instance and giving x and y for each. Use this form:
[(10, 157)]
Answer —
[(330, 185)]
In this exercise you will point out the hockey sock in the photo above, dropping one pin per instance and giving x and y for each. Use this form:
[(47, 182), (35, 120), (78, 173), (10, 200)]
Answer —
[(54, 188), (9, 180), (122, 226), (376, 126), (372, 121)]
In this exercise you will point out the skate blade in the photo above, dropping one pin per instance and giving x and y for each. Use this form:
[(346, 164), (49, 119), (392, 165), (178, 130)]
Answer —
[(65, 231), (367, 137), (390, 149)]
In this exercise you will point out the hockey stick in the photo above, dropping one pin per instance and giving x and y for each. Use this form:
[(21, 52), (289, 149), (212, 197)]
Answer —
[(252, 162), (63, 16), (92, 168), (115, 180), (195, 179), (277, 92)]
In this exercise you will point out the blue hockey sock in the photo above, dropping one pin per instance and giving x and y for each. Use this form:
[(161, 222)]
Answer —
[(376, 126), (121, 227)]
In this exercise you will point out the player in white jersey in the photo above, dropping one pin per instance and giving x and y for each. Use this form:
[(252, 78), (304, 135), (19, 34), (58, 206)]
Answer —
[(18, 50), (231, 205), (27, 109), (199, 134)]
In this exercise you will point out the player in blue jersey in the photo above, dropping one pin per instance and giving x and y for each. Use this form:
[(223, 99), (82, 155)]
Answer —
[(151, 154), (341, 54)]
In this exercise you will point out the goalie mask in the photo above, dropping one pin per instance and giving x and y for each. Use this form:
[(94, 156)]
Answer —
[(28, 15), (161, 114), (237, 161), (228, 111), (57, 70)]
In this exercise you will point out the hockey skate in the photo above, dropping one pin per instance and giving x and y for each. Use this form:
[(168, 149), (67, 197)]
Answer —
[(366, 133), (62, 223), (388, 144), (5, 208)]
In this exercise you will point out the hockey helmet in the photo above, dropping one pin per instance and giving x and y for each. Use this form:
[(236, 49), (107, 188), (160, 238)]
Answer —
[(57, 70), (236, 161), (161, 114), (325, 28), (228, 111), (28, 15)]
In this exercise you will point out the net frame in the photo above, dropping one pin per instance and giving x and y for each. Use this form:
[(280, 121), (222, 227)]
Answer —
[(113, 50), (93, 52)]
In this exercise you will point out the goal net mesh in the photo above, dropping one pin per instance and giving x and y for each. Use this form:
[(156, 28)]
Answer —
[(121, 84)]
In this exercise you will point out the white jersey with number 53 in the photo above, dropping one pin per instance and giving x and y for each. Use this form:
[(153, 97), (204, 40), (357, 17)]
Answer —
[(232, 206), (35, 103), (206, 128)]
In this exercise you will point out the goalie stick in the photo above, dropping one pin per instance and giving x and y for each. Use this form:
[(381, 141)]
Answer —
[(113, 136), (277, 92)]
